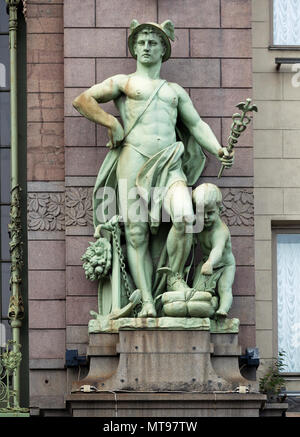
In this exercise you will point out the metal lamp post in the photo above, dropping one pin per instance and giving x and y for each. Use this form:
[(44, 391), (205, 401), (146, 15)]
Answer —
[(11, 359)]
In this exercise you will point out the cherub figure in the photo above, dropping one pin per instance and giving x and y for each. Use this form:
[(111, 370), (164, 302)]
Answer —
[(216, 271)]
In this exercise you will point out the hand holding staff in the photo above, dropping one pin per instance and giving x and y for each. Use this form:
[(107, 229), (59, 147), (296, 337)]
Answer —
[(240, 122)]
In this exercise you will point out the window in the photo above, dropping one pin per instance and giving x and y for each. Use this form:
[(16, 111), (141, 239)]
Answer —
[(4, 173), (288, 298), (286, 23)]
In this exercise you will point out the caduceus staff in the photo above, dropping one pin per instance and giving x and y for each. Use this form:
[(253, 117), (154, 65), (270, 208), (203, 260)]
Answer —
[(239, 125)]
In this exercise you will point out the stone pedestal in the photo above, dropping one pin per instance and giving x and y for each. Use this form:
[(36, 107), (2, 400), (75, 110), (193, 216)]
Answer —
[(164, 404), (173, 362), (158, 361), (224, 359)]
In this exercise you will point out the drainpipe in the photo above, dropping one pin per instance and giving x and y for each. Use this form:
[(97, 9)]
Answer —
[(16, 307)]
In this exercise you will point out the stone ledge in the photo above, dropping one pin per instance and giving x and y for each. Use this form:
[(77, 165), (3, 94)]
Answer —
[(42, 186), (276, 409), (165, 396), (101, 350), (228, 326), (14, 414), (165, 404), (103, 324), (227, 350)]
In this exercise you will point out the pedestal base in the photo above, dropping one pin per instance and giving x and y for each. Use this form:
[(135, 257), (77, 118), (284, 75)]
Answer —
[(185, 369), (165, 405), (165, 360)]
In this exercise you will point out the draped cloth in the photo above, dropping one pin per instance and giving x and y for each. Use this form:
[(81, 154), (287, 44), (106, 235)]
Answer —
[(162, 170), (183, 160), (208, 282)]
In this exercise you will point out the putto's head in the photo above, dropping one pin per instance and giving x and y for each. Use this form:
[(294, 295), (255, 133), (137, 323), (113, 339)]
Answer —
[(208, 200), (208, 195), (151, 34)]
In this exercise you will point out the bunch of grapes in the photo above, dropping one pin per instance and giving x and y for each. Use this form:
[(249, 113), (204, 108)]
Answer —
[(97, 259)]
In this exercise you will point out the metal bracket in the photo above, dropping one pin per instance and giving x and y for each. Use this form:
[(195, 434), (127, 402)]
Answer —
[(279, 61), (73, 359), (251, 358)]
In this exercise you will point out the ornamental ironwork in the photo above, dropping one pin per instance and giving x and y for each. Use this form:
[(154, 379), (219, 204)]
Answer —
[(10, 361)]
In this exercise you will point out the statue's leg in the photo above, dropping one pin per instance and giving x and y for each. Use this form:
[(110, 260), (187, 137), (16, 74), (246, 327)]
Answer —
[(136, 230), (225, 290), (178, 204), (140, 263)]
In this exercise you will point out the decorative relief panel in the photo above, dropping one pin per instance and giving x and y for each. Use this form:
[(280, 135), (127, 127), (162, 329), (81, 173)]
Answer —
[(79, 207), (238, 207), (46, 212), (54, 211)]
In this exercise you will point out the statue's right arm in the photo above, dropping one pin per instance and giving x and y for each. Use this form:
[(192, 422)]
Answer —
[(87, 105), (218, 242)]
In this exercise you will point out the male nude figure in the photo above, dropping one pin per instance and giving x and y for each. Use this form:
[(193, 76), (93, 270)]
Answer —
[(154, 132)]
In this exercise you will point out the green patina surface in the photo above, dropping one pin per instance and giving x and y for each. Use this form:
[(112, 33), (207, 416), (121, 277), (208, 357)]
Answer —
[(10, 359), (142, 268), (103, 324)]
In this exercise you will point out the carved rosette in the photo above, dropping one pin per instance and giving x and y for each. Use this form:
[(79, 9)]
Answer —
[(46, 212), (238, 207), (79, 207)]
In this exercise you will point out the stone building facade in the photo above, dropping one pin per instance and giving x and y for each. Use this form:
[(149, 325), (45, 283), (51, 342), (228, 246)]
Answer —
[(276, 181), (72, 45), (221, 56)]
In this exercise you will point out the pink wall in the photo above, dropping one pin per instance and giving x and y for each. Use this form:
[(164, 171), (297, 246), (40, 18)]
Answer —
[(211, 58)]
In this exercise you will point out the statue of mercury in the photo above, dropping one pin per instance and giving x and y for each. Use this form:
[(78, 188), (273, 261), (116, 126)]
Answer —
[(146, 153)]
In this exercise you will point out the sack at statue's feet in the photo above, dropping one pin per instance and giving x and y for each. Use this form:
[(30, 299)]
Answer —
[(189, 303)]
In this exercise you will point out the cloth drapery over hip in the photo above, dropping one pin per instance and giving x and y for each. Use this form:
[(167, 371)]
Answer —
[(183, 160)]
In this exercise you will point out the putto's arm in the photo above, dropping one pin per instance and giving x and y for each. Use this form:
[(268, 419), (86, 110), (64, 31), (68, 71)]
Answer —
[(218, 242), (87, 105), (197, 127)]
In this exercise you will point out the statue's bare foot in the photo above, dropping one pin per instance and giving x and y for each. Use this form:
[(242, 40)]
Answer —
[(221, 314), (148, 310)]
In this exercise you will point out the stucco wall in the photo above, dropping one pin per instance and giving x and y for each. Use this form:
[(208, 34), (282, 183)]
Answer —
[(276, 169), (211, 58)]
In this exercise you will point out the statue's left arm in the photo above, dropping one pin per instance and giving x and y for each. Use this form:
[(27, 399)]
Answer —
[(198, 128)]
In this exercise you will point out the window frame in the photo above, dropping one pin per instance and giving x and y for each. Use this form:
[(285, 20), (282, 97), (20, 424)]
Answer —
[(286, 227), (272, 46)]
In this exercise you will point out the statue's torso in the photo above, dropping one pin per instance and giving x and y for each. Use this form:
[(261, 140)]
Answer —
[(155, 130), (206, 243)]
